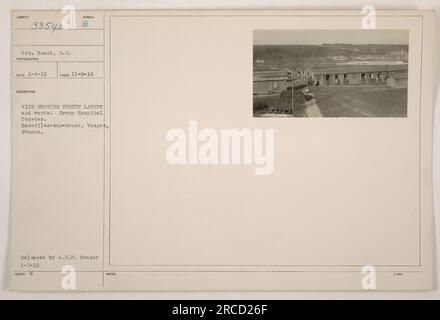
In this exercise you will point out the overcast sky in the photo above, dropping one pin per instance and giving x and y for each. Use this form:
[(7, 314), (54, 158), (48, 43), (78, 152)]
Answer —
[(331, 36)]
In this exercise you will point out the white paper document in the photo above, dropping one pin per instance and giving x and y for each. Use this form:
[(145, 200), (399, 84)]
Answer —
[(221, 150)]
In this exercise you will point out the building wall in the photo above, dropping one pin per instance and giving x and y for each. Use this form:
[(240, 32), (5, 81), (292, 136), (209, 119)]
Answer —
[(338, 79), (397, 83), (269, 87), (274, 86), (354, 78), (399, 74), (358, 77)]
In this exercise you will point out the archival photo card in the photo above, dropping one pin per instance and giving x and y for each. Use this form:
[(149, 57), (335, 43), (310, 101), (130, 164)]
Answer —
[(138, 163), (330, 73)]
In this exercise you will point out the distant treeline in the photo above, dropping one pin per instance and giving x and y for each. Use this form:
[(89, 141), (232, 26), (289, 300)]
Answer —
[(283, 55)]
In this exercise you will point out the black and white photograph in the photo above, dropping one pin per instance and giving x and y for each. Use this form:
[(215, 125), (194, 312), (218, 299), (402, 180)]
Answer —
[(330, 73)]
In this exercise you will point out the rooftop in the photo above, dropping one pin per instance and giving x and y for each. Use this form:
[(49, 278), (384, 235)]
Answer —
[(360, 68), (269, 75)]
